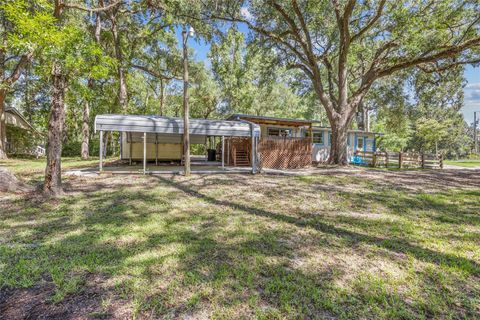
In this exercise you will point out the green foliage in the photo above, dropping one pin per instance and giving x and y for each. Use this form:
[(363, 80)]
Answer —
[(244, 76), (32, 25), (252, 82), (420, 111), (71, 149), (431, 131)]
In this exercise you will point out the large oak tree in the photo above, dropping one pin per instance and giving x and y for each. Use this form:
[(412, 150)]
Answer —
[(343, 47)]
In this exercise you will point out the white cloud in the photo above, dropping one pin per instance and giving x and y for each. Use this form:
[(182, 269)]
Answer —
[(473, 86), (472, 92)]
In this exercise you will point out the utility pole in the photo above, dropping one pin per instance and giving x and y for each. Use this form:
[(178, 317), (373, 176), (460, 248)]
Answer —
[(186, 110), (475, 135)]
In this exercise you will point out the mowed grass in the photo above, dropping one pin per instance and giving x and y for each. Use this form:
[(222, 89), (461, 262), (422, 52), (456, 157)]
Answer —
[(466, 163), (338, 245), (33, 170)]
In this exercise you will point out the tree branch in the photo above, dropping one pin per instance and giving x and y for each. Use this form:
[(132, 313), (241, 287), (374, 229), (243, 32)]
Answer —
[(93, 10), (372, 22), (22, 63), (450, 51), (154, 73)]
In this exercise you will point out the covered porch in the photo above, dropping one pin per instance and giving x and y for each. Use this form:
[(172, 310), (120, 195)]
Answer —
[(154, 144)]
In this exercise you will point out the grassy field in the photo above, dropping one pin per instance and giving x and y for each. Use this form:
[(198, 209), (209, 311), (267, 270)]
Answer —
[(465, 163), (343, 244)]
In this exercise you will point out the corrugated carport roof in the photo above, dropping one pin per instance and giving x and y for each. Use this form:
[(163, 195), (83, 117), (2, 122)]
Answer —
[(166, 125)]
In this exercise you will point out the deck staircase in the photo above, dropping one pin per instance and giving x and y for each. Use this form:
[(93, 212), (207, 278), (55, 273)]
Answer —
[(241, 158)]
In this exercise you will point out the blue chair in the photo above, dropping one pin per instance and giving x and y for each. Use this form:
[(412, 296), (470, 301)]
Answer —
[(357, 160)]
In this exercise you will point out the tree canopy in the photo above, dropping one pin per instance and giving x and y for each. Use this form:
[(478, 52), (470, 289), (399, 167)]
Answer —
[(399, 63)]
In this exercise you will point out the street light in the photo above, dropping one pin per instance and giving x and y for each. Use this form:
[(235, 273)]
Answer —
[(186, 111), (475, 138)]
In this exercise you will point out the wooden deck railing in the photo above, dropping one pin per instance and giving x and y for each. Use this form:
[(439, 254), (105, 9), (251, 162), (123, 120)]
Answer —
[(401, 160)]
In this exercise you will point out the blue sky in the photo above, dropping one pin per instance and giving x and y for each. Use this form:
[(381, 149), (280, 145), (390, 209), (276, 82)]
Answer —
[(472, 75)]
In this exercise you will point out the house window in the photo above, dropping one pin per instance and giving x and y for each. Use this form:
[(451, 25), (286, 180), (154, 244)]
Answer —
[(360, 143), (317, 136), (279, 132)]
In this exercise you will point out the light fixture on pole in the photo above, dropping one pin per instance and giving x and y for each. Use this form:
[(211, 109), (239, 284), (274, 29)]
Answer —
[(475, 134), (186, 110)]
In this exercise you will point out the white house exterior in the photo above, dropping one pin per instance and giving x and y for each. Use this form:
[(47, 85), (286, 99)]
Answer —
[(357, 140)]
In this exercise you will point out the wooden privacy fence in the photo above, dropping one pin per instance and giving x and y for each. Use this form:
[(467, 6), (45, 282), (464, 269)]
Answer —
[(401, 160), (285, 153)]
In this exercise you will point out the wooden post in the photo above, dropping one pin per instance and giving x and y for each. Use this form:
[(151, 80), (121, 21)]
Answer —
[(400, 160), (311, 133), (374, 159), (131, 148), (386, 159), (223, 153), (253, 155), (100, 165), (228, 151), (423, 160), (144, 152), (440, 160)]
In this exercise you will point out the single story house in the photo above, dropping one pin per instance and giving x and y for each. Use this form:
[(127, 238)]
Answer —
[(22, 137), (319, 136), (241, 140)]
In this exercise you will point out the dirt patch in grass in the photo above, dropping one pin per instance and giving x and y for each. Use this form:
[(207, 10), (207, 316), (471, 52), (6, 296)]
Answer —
[(94, 301)]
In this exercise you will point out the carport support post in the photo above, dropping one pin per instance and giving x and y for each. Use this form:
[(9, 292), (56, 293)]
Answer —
[(144, 152), (254, 156), (223, 153), (228, 152), (100, 165), (156, 149), (131, 147)]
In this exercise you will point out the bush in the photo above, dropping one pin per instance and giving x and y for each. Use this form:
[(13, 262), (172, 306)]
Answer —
[(71, 149)]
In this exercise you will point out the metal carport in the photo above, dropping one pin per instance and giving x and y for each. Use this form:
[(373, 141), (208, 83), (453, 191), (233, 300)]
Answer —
[(159, 128)]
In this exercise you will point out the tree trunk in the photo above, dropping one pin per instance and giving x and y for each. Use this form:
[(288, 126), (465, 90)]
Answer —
[(105, 144), (122, 88), (53, 173), (85, 130), (3, 95), (86, 108), (186, 110), (3, 128), (338, 147), (162, 97)]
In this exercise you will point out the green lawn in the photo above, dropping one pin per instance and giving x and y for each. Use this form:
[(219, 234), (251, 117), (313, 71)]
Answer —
[(356, 244), (466, 163)]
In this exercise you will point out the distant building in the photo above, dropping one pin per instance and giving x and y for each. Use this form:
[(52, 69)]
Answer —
[(22, 137)]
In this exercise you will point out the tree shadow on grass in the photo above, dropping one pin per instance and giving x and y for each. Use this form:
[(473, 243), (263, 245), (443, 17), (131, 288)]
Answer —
[(393, 244), (193, 260)]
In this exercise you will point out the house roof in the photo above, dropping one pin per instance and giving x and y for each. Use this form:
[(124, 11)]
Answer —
[(18, 120), (288, 121), (167, 125), (272, 120)]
